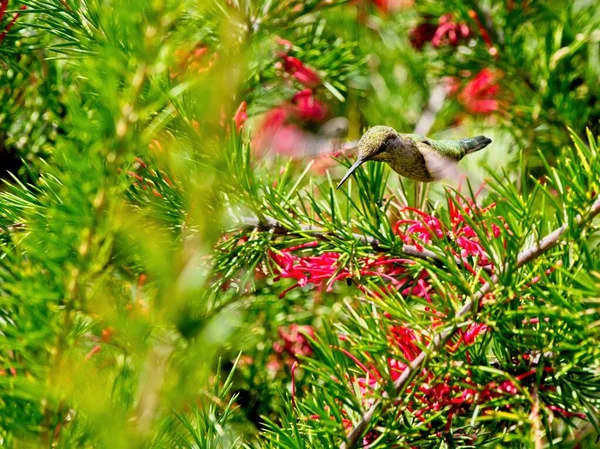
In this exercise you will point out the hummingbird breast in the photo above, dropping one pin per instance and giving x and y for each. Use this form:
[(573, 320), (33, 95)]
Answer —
[(406, 160)]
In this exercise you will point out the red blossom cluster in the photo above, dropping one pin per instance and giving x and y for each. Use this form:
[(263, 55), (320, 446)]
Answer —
[(241, 115), (294, 67), (449, 32), (294, 342), (446, 32), (418, 229), (480, 95), (280, 130), (424, 228), (428, 393), (3, 7), (323, 270), (297, 70)]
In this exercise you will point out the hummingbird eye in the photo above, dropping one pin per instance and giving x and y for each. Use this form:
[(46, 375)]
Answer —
[(386, 144)]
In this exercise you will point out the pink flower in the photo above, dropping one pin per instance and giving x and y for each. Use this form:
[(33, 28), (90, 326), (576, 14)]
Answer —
[(472, 332), (425, 228), (298, 70), (427, 394)]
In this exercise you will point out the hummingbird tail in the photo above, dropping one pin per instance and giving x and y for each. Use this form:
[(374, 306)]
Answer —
[(473, 144)]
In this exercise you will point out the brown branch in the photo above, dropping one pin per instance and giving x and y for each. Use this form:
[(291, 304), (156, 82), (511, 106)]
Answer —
[(525, 256), (537, 432)]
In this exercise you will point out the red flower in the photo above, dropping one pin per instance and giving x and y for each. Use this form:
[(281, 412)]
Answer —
[(480, 95), (421, 34), (308, 107), (324, 270), (278, 130), (240, 116), (387, 6), (298, 70), (275, 118), (427, 394), (446, 32), (449, 32), (417, 231)]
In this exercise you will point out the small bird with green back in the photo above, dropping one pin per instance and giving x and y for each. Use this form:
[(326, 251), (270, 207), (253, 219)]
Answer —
[(412, 155)]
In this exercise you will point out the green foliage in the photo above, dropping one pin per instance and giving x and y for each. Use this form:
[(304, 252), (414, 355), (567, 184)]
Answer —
[(166, 282)]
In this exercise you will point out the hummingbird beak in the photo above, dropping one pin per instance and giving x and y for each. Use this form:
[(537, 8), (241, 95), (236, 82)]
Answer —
[(351, 170)]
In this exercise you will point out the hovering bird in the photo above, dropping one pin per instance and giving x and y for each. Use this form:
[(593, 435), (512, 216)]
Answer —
[(412, 155)]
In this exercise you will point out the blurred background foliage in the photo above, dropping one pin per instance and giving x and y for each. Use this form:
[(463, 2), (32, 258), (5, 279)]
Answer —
[(164, 161)]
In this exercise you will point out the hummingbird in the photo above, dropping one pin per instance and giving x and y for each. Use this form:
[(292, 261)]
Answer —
[(412, 155)]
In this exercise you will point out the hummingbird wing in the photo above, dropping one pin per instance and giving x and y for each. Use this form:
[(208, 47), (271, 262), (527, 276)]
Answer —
[(438, 164)]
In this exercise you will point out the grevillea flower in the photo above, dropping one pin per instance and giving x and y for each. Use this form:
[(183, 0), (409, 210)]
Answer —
[(480, 94), (294, 342), (324, 269), (279, 130), (308, 107), (296, 68), (421, 34), (240, 116), (417, 229), (449, 32), (424, 228), (427, 394)]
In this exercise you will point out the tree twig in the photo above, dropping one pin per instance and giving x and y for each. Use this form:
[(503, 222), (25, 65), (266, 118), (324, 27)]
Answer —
[(524, 257), (269, 224)]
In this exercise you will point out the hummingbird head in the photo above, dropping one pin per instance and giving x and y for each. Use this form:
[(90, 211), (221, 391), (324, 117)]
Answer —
[(374, 145)]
